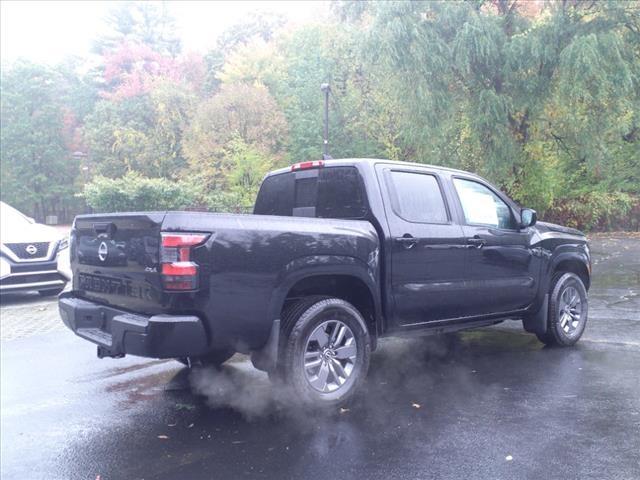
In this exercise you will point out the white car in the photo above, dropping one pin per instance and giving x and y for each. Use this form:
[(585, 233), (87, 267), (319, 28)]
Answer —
[(32, 256)]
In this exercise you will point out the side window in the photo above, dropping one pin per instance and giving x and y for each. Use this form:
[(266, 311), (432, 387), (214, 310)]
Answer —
[(341, 194), (482, 206), (416, 197)]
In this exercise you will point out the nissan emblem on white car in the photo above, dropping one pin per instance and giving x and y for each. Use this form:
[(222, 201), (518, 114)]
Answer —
[(103, 251), (31, 249)]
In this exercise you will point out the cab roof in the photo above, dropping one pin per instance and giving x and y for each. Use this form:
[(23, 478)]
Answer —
[(371, 162)]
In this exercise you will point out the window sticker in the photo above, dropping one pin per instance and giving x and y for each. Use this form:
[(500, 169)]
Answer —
[(479, 207)]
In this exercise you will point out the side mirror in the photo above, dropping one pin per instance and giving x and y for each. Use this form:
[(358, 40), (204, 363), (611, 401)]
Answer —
[(528, 217)]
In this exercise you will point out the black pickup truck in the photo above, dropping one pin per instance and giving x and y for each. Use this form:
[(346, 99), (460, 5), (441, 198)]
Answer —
[(336, 255)]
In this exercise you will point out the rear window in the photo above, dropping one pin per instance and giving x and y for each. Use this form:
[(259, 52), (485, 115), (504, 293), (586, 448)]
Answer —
[(276, 195), (416, 197), (331, 192)]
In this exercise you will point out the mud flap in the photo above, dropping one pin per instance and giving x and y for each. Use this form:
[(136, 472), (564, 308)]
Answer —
[(266, 358), (537, 322)]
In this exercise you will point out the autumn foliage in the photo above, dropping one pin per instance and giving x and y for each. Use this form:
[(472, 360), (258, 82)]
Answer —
[(541, 97)]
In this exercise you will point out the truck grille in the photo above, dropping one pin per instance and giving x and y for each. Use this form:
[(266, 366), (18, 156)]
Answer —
[(29, 251)]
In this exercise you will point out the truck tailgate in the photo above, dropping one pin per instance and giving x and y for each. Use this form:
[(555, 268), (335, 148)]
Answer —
[(115, 259)]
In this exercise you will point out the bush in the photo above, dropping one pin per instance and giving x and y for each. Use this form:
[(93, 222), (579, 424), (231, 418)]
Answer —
[(134, 192), (598, 211), (228, 202)]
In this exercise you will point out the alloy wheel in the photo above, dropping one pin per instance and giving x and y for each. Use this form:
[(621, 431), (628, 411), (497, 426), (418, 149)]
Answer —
[(570, 310), (330, 356)]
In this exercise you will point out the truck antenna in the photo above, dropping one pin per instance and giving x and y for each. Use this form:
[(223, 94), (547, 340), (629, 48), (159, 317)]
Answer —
[(326, 89)]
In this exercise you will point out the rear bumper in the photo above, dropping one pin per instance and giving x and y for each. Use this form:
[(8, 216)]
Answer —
[(117, 332)]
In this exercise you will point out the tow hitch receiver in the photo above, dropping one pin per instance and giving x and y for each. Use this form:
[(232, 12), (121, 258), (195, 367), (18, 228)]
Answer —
[(105, 353)]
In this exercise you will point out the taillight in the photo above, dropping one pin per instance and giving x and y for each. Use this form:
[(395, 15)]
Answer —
[(179, 272), (307, 165)]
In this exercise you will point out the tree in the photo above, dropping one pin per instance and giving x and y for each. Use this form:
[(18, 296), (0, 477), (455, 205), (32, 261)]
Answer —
[(254, 63), (142, 134), (240, 173), (312, 55), (239, 112), (260, 25), (134, 69), (541, 97), (141, 23), (38, 172), (535, 99)]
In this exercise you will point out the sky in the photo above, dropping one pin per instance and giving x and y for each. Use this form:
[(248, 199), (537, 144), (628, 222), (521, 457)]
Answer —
[(48, 31)]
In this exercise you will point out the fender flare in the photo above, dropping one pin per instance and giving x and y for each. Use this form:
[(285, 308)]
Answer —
[(536, 321), (574, 255), (322, 265), (302, 268)]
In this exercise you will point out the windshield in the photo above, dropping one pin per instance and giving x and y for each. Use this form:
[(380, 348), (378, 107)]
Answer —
[(11, 218)]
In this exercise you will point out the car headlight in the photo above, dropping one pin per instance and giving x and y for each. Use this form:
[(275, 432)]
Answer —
[(62, 244)]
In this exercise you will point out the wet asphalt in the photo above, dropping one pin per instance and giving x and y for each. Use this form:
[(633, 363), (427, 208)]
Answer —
[(489, 403)]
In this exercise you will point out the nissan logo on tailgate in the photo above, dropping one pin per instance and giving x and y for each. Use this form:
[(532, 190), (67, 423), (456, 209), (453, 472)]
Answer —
[(103, 251)]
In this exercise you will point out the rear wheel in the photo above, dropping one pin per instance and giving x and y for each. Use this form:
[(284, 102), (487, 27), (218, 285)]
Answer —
[(324, 350), (568, 309), (211, 359)]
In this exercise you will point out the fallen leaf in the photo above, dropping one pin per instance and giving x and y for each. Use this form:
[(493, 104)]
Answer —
[(172, 424), (190, 425), (415, 405), (163, 437), (508, 458), (343, 410)]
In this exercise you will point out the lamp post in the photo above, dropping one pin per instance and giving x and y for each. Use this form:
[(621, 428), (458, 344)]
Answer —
[(84, 168), (326, 89)]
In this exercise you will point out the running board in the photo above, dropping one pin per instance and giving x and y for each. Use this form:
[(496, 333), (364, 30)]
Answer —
[(443, 326)]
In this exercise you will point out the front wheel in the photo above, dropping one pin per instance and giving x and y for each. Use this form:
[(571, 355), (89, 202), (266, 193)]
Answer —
[(325, 349), (568, 309)]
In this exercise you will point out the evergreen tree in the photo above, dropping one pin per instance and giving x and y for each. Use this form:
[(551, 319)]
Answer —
[(38, 171)]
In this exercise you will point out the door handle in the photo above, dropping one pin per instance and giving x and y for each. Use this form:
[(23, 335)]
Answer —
[(407, 241), (476, 242)]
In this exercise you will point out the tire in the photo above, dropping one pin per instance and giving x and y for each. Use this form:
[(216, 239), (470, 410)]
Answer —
[(51, 292), (332, 336), (212, 359), (568, 311)]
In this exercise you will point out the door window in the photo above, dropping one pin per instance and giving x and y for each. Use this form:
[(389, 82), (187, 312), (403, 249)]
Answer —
[(482, 206), (416, 197)]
